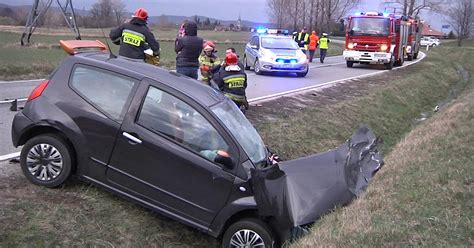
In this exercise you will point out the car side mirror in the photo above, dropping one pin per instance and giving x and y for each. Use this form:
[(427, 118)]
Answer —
[(223, 158), (254, 47)]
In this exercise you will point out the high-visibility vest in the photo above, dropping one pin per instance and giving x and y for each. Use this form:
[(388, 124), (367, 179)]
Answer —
[(323, 43), (304, 38), (313, 42)]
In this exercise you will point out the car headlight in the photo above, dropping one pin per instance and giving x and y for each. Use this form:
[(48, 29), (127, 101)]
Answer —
[(351, 45), (383, 47)]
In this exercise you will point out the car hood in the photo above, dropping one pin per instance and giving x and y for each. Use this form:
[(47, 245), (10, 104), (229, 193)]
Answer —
[(284, 52), (298, 192)]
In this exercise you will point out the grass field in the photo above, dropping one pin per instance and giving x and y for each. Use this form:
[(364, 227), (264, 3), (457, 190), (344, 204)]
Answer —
[(423, 195), (44, 54)]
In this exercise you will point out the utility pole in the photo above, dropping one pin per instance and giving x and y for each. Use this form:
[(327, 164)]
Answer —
[(37, 11)]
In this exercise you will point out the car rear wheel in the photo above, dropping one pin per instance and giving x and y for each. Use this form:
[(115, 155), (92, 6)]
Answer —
[(256, 67), (349, 64), (246, 65), (249, 232), (46, 160)]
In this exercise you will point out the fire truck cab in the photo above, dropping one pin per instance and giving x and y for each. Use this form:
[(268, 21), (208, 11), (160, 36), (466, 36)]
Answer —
[(376, 38)]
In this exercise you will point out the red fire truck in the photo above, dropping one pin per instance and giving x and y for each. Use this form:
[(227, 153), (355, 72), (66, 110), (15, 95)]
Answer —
[(376, 38), (414, 37)]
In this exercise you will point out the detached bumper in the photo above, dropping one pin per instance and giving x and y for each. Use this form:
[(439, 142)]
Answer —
[(298, 192), (367, 57)]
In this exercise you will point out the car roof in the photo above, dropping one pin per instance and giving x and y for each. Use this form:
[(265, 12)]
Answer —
[(188, 86), (275, 36)]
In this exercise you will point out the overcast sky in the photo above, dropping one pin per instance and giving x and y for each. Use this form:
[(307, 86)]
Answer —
[(252, 10)]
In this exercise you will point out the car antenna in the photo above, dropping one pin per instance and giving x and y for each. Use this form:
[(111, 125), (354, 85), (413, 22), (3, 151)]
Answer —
[(111, 55)]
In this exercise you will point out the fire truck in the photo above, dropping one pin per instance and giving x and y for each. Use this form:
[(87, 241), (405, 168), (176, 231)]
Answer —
[(414, 37), (376, 38)]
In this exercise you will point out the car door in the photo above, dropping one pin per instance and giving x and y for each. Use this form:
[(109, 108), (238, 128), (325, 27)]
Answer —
[(164, 155), (252, 52), (96, 108)]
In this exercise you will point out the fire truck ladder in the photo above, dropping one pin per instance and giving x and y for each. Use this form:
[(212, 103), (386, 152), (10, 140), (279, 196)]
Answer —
[(37, 11)]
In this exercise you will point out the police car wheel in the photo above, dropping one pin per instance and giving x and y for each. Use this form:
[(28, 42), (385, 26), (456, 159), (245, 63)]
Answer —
[(246, 66), (256, 67)]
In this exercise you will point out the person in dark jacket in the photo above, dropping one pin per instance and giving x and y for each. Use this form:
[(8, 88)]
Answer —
[(232, 81), (188, 48), (134, 37)]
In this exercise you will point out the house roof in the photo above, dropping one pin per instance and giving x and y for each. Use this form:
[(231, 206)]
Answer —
[(428, 31)]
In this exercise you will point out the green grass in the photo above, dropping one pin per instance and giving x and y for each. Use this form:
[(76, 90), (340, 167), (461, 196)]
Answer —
[(43, 55)]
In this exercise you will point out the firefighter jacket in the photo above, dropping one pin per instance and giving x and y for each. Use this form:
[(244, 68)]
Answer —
[(132, 38), (302, 39), (324, 42), (313, 42), (232, 81), (207, 65)]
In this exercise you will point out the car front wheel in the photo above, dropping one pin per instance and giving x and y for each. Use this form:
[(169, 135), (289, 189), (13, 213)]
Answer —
[(46, 160), (256, 67), (249, 232)]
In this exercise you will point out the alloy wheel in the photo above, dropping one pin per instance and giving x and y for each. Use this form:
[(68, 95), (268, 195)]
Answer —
[(246, 238)]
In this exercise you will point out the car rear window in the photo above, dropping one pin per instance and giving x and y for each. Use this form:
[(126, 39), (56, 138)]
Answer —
[(107, 91)]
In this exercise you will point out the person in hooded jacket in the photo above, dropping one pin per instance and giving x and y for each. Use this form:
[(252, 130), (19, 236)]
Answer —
[(134, 37), (188, 47), (232, 81)]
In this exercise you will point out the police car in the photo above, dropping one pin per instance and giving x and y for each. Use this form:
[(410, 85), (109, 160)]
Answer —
[(271, 50)]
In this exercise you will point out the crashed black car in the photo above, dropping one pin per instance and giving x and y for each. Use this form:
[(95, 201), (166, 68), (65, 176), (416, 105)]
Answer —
[(171, 144)]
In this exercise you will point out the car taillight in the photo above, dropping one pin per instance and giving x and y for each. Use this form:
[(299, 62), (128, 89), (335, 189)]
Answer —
[(38, 90)]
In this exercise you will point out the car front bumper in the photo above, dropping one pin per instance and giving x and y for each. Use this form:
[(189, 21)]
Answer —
[(367, 57), (268, 66)]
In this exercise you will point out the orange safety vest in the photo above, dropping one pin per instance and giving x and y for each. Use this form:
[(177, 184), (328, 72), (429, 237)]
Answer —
[(313, 42)]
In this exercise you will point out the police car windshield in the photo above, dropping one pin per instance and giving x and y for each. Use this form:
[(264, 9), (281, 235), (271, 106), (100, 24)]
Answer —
[(279, 43), (242, 130), (369, 26)]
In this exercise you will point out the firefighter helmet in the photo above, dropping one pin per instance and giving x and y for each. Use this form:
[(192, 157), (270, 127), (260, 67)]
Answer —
[(141, 13), (209, 46), (231, 59)]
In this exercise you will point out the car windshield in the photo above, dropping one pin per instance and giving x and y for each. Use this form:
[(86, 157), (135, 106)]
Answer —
[(369, 26), (242, 130), (279, 43)]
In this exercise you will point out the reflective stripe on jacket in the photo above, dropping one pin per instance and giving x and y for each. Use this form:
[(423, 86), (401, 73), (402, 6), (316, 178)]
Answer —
[(211, 62), (302, 37), (324, 43)]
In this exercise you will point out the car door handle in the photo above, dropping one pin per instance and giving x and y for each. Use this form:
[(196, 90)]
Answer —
[(132, 138)]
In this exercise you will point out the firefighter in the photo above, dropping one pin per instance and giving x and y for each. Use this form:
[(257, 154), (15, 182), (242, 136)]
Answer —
[(313, 44), (134, 37), (208, 61), (302, 38), (232, 81), (323, 46)]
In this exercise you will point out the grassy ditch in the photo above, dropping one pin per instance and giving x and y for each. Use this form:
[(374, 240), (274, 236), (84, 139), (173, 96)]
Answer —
[(424, 195)]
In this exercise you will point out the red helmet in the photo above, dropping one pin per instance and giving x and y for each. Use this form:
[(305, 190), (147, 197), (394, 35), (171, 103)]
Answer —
[(231, 59), (141, 13), (208, 46)]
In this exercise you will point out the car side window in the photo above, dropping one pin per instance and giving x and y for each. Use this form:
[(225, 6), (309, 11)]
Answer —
[(169, 116), (107, 91)]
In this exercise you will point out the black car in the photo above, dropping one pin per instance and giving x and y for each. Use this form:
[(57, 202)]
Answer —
[(176, 146)]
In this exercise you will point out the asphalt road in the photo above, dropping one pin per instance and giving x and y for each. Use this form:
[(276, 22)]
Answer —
[(260, 87)]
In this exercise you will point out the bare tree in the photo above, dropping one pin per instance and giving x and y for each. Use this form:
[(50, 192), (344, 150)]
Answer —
[(413, 7), (108, 13), (319, 15), (461, 17)]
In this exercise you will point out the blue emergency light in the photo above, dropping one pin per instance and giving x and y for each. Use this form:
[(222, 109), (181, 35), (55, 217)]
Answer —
[(293, 61), (261, 30)]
